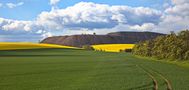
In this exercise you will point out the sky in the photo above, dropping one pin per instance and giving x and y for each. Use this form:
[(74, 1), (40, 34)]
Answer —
[(34, 20)]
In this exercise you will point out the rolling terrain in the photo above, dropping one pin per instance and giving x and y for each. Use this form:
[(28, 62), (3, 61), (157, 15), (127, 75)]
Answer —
[(75, 69), (110, 38)]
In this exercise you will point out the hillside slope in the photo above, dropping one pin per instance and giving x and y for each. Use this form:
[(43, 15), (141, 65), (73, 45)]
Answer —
[(111, 38)]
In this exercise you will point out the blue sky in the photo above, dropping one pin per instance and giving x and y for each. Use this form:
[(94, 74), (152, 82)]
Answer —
[(34, 20), (32, 8)]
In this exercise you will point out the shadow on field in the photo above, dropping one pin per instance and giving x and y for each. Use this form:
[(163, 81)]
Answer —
[(42, 55), (142, 87)]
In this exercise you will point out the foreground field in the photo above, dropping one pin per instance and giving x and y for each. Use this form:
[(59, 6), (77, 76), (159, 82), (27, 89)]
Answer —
[(113, 47), (13, 46), (71, 69)]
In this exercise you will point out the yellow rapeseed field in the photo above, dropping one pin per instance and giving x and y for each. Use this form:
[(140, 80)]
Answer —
[(25, 45), (113, 47)]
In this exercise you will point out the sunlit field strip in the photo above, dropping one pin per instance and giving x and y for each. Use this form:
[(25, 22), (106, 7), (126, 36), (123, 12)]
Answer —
[(113, 47), (25, 45)]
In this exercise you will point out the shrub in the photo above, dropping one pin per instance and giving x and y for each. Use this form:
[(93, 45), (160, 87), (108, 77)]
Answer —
[(87, 47), (125, 50), (128, 50)]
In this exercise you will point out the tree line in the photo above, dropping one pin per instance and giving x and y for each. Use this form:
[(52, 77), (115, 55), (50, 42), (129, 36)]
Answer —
[(172, 46)]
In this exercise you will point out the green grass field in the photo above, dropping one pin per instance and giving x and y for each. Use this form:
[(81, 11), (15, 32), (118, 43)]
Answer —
[(71, 69)]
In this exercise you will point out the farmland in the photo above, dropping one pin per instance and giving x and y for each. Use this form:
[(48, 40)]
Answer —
[(75, 69), (27, 45), (113, 47)]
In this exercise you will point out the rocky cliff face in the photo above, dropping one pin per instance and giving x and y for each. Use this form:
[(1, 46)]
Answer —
[(111, 38)]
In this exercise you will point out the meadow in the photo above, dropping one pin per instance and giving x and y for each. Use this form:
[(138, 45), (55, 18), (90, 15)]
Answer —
[(112, 47), (76, 69)]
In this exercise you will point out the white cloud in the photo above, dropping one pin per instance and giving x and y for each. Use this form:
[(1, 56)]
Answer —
[(180, 1), (8, 24), (48, 34), (102, 18), (144, 27), (28, 28), (54, 2), (175, 17), (90, 15), (182, 10), (172, 23), (86, 15), (13, 5)]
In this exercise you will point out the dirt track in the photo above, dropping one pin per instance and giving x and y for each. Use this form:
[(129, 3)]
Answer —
[(150, 73)]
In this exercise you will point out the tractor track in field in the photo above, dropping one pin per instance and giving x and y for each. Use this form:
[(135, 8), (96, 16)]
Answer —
[(168, 84), (155, 83), (150, 73)]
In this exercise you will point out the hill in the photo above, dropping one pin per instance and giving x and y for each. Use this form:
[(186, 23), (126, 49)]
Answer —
[(110, 38)]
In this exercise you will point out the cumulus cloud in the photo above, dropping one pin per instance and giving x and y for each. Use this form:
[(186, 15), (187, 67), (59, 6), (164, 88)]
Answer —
[(54, 2), (182, 10), (102, 18), (91, 16), (175, 17), (86, 15), (144, 27), (13, 5), (7, 24), (16, 27), (172, 23), (180, 7), (180, 1)]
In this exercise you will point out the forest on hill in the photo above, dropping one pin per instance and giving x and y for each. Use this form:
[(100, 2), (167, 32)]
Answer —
[(172, 46)]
